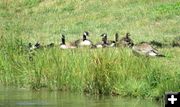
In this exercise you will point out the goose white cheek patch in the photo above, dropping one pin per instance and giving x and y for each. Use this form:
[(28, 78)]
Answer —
[(85, 33)]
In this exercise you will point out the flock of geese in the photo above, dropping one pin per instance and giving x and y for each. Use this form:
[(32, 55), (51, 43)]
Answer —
[(143, 48)]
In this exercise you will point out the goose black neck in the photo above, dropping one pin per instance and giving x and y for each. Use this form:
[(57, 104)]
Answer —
[(104, 39), (63, 40), (116, 37), (84, 37), (127, 35)]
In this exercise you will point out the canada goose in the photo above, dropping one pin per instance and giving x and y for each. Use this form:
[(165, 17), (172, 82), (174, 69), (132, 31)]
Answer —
[(114, 43), (176, 42), (145, 49), (126, 41), (83, 42), (104, 42), (63, 44), (100, 44), (34, 47)]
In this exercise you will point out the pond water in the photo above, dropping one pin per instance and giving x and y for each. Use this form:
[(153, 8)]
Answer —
[(10, 97)]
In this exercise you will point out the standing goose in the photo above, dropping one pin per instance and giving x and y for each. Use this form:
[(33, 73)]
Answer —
[(146, 49), (63, 44), (83, 42)]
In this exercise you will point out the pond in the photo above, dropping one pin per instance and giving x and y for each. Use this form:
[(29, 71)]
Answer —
[(12, 97)]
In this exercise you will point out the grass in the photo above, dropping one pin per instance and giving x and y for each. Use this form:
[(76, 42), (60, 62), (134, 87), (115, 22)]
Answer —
[(101, 71)]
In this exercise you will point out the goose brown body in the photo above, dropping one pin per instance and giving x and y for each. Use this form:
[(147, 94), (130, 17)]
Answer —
[(146, 49), (125, 41)]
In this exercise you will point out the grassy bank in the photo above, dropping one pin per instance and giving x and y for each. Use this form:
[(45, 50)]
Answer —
[(99, 71)]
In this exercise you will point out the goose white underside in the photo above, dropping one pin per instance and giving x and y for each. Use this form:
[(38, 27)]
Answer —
[(151, 53), (85, 43), (99, 46), (63, 47), (67, 46), (72, 47)]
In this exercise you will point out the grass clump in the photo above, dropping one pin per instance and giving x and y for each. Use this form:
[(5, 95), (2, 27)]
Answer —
[(102, 76)]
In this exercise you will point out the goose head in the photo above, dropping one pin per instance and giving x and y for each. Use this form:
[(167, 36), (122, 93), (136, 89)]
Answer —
[(85, 41), (128, 40), (128, 35), (37, 45), (104, 38), (85, 34), (29, 45)]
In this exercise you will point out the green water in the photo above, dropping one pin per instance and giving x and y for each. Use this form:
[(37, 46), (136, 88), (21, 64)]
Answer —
[(10, 97)]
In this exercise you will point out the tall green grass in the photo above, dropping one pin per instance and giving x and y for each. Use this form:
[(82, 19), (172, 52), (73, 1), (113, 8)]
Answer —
[(96, 71)]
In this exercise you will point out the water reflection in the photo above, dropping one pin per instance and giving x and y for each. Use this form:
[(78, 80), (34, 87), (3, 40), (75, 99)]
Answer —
[(11, 97)]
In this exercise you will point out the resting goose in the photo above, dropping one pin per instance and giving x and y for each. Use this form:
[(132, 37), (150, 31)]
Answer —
[(63, 44), (83, 42), (126, 41), (146, 49), (104, 42), (113, 43), (34, 47)]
